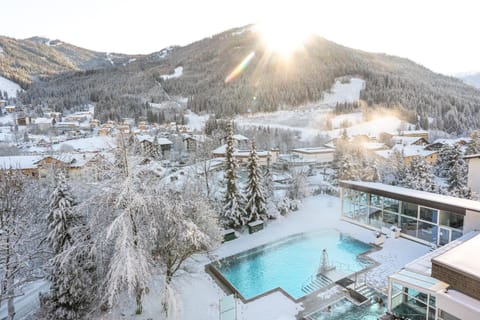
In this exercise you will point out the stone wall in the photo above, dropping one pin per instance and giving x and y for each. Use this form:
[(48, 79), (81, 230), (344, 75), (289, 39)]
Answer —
[(459, 281)]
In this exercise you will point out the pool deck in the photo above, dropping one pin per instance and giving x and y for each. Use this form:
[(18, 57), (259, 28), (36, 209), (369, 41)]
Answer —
[(317, 213)]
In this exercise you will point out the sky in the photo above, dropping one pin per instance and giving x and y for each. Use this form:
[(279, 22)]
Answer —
[(441, 35)]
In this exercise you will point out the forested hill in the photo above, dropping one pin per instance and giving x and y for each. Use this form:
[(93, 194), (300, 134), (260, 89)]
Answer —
[(267, 83), (23, 60)]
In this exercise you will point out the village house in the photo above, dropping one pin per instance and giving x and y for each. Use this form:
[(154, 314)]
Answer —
[(409, 152), (473, 172), (24, 164)]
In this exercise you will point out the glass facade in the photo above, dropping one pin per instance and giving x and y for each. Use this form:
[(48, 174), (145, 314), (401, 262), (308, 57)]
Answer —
[(428, 224)]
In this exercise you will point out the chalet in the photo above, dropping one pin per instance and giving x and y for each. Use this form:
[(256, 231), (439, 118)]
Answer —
[(147, 142), (104, 131), (409, 141), (10, 109), (24, 164), (3, 102), (320, 155), (72, 125), (440, 143), (265, 158), (473, 172), (42, 123), (22, 119), (409, 152), (94, 123), (192, 141), (415, 133)]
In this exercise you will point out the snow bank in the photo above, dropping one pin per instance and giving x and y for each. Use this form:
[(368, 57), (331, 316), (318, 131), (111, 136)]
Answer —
[(9, 86)]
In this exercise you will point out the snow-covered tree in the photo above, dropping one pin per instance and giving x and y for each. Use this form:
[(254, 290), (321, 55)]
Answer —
[(62, 217), (255, 207), (233, 211), (185, 223), (419, 175), (457, 180), (130, 235), (21, 234), (473, 146), (447, 157), (298, 188), (73, 268), (393, 170)]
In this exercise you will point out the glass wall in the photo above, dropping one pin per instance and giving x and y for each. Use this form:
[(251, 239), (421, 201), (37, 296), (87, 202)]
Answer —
[(413, 304), (429, 224)]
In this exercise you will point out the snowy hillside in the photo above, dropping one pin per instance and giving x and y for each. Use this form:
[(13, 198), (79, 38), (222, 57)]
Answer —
[(344, 92), (176, 74), (9, 86), (310, 120)]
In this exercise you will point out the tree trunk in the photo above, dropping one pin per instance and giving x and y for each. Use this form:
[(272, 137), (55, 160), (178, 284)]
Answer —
[(10, 280)]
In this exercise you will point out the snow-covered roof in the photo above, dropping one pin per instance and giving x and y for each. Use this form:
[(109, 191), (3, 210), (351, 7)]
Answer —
[(423, 265), (471, 156), (405, 140), (92, 144), (316, 150), (19, 162), (419, 282), (407, 151), (240, 137), (161, 141), (42, 120), (462, 258), (414, 195), (451, 142)]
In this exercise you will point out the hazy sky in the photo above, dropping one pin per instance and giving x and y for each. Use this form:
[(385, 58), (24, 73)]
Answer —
[(442, 35)]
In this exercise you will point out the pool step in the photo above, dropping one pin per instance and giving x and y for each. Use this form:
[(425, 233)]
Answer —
[(317, 283)]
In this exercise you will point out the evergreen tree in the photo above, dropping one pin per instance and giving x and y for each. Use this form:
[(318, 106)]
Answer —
[(473, 146), (73, 268), (447, 157), (255, 207), (233, 212), (457, 180), (419, 176)]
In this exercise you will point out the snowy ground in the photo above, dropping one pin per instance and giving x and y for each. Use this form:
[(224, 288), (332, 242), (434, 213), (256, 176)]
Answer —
[(198, 295), (195, 121), (177, 73), (9, 86)]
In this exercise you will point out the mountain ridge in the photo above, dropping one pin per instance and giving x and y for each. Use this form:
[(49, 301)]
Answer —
[(266, 84)]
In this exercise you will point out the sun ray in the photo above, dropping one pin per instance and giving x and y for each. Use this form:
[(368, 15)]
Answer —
[(240, 68)]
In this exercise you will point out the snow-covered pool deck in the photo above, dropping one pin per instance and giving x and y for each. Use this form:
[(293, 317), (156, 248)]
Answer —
[(199, 294)]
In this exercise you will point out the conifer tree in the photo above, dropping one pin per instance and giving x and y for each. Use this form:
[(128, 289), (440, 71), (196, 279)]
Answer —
[(73, 268), (473, 146), (255, 208), (233, 211), (419, 175)]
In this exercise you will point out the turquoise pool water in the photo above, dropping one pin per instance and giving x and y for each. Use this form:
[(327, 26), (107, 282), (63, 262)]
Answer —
[(346, 310), (289, 263)]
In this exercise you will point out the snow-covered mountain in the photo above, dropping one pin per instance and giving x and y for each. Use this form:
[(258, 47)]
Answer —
[(23, 59)]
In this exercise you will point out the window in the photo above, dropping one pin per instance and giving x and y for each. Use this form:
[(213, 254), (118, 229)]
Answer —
[(391, 204), (363, 198), (452, 220), (409, 226), (428, 214), (390, 219), (427, 232), (442, 315), (376, 200), (409, 209)]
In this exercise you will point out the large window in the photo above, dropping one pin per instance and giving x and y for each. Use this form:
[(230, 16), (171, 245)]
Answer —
[(409, 209), (409, 226), (428, 214), (427, 232), (391, 204), (452, 220)]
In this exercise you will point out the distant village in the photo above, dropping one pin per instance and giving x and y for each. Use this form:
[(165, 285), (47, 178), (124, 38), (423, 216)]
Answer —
[(80, 143)]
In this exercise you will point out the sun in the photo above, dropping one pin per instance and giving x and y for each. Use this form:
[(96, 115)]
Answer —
[(283, 34)]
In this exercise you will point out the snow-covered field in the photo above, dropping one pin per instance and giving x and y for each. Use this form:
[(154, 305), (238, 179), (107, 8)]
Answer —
[(198, 295), (177, 73), (310, 119), (195, 121), (9, 86)]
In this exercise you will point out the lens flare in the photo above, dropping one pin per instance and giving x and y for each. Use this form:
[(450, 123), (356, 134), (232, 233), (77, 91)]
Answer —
[(240, 68)]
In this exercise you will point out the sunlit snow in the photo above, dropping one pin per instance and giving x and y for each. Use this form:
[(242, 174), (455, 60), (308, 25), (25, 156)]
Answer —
[(9, 86)]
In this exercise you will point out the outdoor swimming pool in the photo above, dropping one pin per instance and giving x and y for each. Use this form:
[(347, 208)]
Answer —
[(346, 310), (291, 263)]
